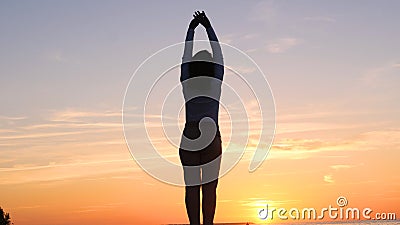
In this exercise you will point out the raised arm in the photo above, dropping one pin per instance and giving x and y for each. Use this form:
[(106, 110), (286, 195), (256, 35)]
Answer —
[(188, 51), (215, 46)]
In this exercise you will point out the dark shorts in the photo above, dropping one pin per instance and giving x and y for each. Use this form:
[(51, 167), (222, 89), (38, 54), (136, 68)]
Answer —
[(201, 158)]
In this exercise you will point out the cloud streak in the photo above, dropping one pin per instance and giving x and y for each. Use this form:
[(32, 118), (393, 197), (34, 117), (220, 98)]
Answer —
[(329, 178), (282, 45)]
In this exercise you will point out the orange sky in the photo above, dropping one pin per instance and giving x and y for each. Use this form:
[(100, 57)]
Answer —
[(96, 181)]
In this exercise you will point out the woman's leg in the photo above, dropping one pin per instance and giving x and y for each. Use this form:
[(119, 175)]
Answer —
[(209, 201), (192, 192), (192, 201), (191, 174), (211, 161), (191, 171)]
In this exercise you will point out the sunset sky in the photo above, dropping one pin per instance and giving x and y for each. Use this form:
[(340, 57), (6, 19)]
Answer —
[(333, 68)]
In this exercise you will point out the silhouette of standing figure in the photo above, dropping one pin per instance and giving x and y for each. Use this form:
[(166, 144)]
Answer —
[(196, 174)]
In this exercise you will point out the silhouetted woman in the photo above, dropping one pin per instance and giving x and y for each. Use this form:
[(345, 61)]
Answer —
[(201, 101)]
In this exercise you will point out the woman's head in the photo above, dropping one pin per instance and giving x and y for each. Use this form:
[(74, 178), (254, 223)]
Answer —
[(201, 64), (201, 67)]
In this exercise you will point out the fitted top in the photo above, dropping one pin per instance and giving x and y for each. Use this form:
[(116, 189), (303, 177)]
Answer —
[(202, 103)]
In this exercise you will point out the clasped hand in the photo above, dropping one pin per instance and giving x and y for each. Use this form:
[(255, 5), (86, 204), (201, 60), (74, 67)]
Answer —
[(199, 18)]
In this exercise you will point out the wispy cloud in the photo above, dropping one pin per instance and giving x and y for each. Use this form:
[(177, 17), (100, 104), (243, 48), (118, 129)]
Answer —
[(39, 135), (30, 207), (95, 208), (282, 45), (228, 38), (77, 115), (307, 148), (55, 165), (69, 171), (343, 166), (3, 117), (61, 123), (328, 178), (259, 202), (373, 76), (63, 145), (239, 70), (238, 37)]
